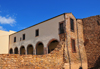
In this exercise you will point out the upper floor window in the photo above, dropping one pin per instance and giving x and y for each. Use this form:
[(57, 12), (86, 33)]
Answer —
[(73, 45), (72, 24), (37, 32), (14, 39), (23, 36), (61, 27)]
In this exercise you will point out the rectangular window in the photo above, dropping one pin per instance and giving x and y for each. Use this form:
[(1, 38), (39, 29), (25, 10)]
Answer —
[(23, 36), (73, 45), (72, 24), (61, 27), (14, 39), (37, 32)]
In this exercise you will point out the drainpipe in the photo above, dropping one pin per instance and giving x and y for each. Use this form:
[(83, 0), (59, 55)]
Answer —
[(66, 42), (78, 46)]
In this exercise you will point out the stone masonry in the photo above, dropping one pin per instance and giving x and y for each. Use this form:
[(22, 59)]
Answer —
[(54, 60), (91, 29)]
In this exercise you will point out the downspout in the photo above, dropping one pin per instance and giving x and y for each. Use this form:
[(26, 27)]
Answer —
[(78, 46), (66, 42)]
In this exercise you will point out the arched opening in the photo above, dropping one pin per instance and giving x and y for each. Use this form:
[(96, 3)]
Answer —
[(11, 51), (22, 50), (52, 45), (39, 49), (30, 49), (16, 50)]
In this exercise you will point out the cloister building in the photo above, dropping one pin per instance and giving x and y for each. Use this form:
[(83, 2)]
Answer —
[(43, 38), (81, 38)]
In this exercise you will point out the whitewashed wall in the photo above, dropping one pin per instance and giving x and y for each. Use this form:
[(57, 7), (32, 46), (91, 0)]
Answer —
[(47, 30)]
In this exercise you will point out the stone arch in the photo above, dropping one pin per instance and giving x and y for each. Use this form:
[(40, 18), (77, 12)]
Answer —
[(11, 51), (16, 50), (22, 50), (52, 45), (39, 48), (30, 49)]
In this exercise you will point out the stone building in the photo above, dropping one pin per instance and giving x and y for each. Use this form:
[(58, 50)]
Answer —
[(43, 38), (60, 42)]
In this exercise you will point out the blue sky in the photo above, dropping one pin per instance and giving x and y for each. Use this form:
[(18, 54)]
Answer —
[(19, 14)]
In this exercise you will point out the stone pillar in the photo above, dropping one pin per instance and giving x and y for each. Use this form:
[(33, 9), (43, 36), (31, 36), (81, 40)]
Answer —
[(45, 50), (19, 52), (25, 51), (13, 50), (34, 51)]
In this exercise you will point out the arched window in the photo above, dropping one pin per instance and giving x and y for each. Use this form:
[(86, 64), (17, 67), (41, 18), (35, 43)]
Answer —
[(16, 50), (11, 51), (52, 45), (30, 49), (22, 50), (39, 49)]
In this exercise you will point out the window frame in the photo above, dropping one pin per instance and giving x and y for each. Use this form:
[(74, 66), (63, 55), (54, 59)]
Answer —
[(14, 39), (73, 50), (36, 32), (72, 26), (23, 36), (62, 22)]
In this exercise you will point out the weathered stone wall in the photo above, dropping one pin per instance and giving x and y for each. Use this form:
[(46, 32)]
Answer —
[(54, 60), (91, 29), (75, 59)]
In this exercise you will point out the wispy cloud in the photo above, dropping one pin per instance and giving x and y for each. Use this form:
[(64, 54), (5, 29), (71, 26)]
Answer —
[(5, 20), (7, 15), (1, 28)]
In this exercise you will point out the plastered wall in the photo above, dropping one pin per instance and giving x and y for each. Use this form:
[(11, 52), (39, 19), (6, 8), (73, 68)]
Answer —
[(48, 30), (4, 41)]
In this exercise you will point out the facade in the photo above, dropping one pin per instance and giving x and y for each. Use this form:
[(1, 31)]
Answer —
[(44, 33), (43, 38), (60, 42), (4, 41), (47, 32)]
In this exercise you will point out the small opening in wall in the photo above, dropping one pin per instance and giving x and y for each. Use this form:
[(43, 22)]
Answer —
[(73, 45), (37, 32), (61, 27), (23, 36), (72, 24), (14, 39)]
